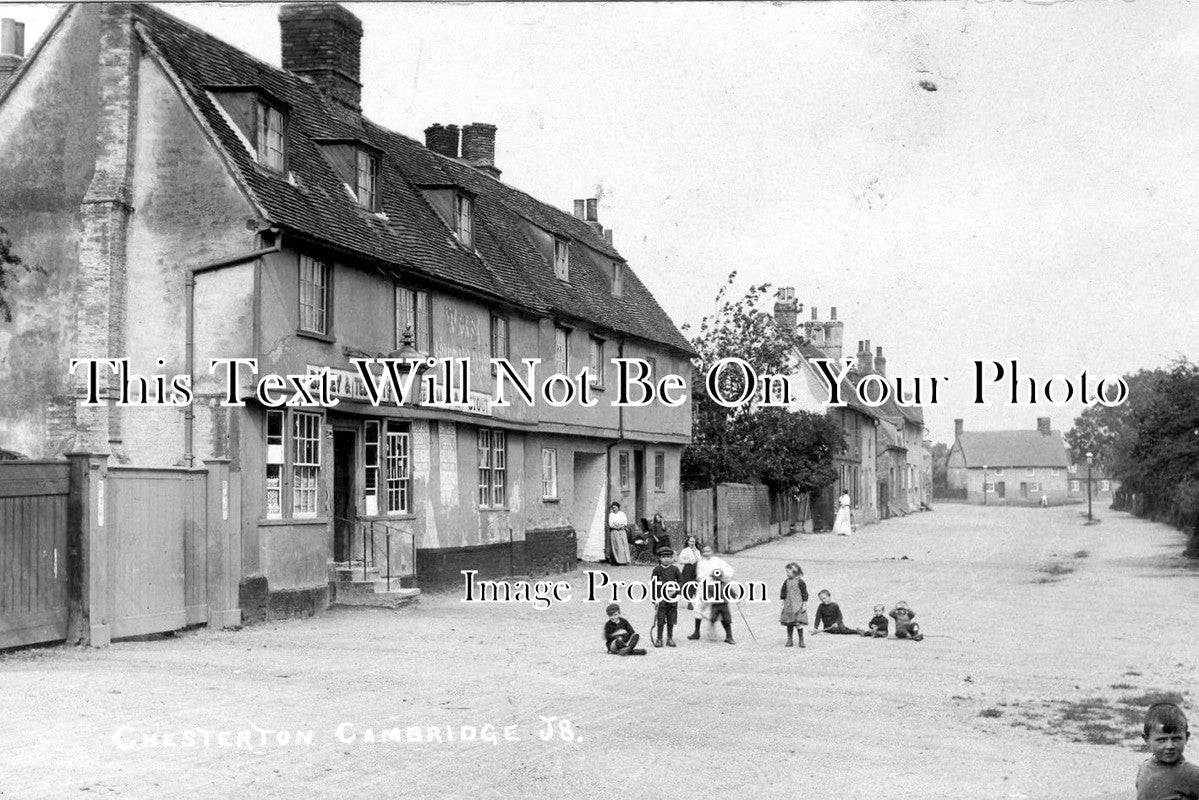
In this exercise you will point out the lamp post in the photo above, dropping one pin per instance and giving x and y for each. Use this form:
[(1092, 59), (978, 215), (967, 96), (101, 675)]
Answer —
[(984, 484), (1090, 459)]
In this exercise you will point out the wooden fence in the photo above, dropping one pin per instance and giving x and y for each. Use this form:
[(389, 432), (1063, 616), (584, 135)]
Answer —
[(734, 516), (89, 552)]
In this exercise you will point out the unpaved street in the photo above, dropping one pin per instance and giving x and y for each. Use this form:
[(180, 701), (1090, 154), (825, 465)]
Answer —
[(1042, 632)]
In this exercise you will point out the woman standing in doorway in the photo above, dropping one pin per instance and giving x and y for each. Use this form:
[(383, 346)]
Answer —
[(843, 525), (618, 539)]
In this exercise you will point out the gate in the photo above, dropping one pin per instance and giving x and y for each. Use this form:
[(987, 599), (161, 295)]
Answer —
[(33, 552), (157, 556)]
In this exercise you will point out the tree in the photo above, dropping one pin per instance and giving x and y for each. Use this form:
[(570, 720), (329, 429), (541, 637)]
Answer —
[(746, 444), (940, 458), (8, 273)]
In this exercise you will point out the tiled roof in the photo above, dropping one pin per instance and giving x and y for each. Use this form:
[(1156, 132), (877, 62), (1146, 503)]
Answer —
[(848, 386), (1013, 449), (413, 238)]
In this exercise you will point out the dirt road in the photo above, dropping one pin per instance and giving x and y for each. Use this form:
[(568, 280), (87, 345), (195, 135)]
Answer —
[(1046, 637)]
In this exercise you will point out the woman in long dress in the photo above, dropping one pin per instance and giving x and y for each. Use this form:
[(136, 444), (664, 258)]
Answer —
[(618, 539), (843, 526)]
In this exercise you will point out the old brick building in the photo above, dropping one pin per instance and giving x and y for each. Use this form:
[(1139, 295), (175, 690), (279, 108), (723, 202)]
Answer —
[(1010, 467), (187, 202)]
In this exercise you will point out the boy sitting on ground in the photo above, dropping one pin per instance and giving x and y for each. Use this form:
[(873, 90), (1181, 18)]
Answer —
[(1166, 774), (619, 634), (879, 624), (828, 614), (905, 627)]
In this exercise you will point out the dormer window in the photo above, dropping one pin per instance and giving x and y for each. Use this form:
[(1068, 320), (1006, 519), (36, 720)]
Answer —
[(270, 138), (464, 219), (367, 183), (562, 259)]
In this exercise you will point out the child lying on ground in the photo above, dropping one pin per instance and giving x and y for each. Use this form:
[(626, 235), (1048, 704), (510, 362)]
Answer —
[(905, 626), (828, 614), (619, 634), (879, 624)]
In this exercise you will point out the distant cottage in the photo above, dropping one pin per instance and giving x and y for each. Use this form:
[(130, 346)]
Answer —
[(1009, 466)]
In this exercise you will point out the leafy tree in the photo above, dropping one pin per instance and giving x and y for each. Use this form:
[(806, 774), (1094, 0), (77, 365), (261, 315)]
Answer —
[(8, 274), (940, 458), (746, 444)]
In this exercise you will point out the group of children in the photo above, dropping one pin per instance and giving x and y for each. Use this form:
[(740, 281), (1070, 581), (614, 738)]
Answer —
[(701, 565), (794, 616)]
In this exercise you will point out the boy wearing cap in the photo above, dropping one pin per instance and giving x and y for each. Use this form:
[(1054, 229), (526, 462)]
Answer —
[(665, 574), (619, 634)]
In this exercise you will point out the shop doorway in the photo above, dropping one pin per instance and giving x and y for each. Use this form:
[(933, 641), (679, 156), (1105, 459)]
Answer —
[(344, 513)]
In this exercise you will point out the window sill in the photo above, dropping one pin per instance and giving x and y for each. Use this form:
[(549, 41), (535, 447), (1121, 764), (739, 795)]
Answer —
[(551, 500), (265, 522), (320, 337), (493, 508), (407, 517)]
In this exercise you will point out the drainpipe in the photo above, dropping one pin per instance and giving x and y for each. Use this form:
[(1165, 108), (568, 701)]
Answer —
[(189, 414), (608, 461)]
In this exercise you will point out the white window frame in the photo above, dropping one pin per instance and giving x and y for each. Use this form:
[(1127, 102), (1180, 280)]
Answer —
[(276, 463), (464, 219), (659, 470), (1076, 486), (562, 349), (997, 471), (549, 473), (1031, 472), (501, 338), (493, 468), (370, 461), (1105, 486), (316, 279), (562, 259), (414, 307), (306, 438), (271, 137), (366, 179), (397, 474), (595, 360)]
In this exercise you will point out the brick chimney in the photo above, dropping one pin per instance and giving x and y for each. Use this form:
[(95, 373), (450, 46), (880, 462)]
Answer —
[(786, 309), (581, 209), (865, 360), (834, 333), (880, 363), (591, 215), (323, 41), (442, 139), (957, 428), (813, 331), (1043, 425), (12, 48), (478, 147)]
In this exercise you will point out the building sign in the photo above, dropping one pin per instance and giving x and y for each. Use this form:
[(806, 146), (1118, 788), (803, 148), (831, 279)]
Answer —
[(349, 386)]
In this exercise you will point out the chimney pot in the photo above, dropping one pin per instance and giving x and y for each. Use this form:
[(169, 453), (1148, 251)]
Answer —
[(786, 309), (592, 209), (323, 41), (957, 428), (478, 147), (832, 314), (1043, 424), (580, 209), (814, 317), (12, 38), (880, 363), (442, 139), (608, 235)]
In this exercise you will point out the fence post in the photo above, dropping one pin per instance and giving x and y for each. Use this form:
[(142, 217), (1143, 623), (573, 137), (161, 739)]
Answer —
[(88, 536), (223, 539)]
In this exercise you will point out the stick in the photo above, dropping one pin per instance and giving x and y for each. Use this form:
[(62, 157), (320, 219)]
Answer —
[(746, 621)]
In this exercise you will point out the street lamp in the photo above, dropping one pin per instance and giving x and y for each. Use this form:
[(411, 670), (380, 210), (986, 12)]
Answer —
[(1090, 459), (984, 484)]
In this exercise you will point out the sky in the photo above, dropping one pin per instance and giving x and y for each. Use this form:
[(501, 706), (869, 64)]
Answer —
[(1039, 205)]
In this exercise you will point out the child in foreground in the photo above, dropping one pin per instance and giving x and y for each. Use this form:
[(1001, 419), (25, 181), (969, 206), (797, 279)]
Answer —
[(828, 614), (879, 624), (1166, 775), (905, 626), (619, 634), (667, 613), (794, 595)]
